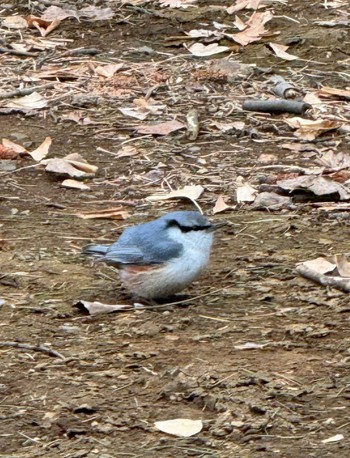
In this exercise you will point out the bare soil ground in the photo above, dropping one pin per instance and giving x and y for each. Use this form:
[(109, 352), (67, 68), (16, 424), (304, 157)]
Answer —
[(122, 372)]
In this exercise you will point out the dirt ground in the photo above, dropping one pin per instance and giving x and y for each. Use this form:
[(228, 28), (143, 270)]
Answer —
[(122, 372)]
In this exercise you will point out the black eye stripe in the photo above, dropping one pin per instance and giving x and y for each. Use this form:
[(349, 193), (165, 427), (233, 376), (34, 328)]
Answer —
[(188, 228)]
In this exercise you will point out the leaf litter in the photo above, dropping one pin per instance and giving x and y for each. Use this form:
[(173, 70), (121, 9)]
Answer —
[(98, 75)]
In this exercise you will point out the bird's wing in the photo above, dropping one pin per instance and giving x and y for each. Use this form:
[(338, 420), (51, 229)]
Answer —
[(151, 251)]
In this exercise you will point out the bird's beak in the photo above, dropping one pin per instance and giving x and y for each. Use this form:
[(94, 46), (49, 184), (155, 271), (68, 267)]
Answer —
[(217, 225)]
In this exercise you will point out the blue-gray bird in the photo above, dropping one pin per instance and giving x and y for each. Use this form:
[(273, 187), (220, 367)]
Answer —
[(162, 257)]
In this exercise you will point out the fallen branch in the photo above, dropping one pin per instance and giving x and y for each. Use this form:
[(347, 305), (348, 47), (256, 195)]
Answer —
[(40, 348), (17, 52)]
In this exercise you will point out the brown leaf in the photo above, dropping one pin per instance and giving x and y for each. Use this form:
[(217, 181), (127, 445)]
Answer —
[(335, 161), (13, 146), (44, 27), (164, 128), (318, 185), (280, 51), (187, 192), (108, 213), (333, 92), (15, 22), (74, 184), (309, 130), (343, 265), (73, 165), (221, 206), (244, 4), (33, 101), (254, 31), (42, 150), (108, 70)]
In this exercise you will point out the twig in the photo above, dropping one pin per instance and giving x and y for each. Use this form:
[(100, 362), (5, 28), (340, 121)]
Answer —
[(41, 348), (17, 52), (25, 91)]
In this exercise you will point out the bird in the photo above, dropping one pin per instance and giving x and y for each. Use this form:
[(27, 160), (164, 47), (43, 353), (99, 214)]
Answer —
[(162, 257)]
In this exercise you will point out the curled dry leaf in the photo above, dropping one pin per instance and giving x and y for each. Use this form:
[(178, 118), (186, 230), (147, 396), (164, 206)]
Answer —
[(108, 213), (200, 50), (15, 22), (336, 438), (95, 13), (44, 27), (318, 185), (55, 12), (254, 29), (244, 4), (163, 128), (221, 206), (326, 91), (321, 265), (42, 150), (280, 51), (38, 154), (181, 427), (177, 3), (74, 184), (187, 192), (272, 201), (335, 161), (73, 165), (33, 101), (245, 192), (309, 130), (98, 308), (109, 70)]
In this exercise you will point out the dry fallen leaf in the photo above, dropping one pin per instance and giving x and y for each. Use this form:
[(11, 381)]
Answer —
[(280, 51), (336, 438), (74, 184), (200, 50), (73, 165), (177, 3), (108, 70), (244, 4), (335, 161), (271, 201), (326, 91), (95, 13), (33, 101), (343, 265), (13, 146), (44, 27), (220, 206), (181, 427), (254, 29), (187, 192), (308, 129), (320, 186), (55, 12), (15, 22), (245, 192), (108, 213), (97, 308), (163, 128), (320, 265), (42, 150)]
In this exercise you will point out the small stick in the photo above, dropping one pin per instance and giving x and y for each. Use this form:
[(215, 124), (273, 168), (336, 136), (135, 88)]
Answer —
[(17, 52), (25, 91), (41, 348)]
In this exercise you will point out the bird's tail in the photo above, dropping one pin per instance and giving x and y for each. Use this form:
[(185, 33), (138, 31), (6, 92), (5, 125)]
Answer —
[(95, 250)]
